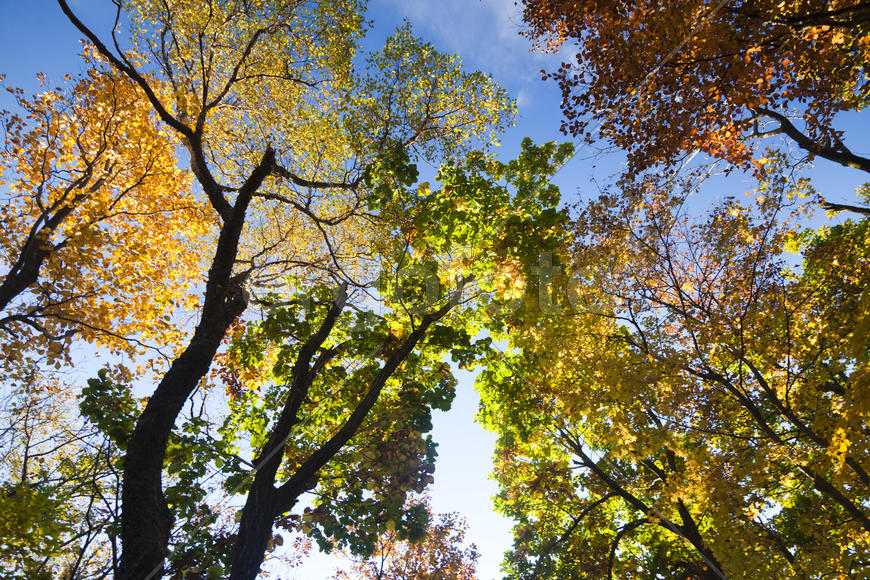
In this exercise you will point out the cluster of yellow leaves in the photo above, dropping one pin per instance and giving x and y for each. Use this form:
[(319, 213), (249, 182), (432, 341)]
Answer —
[(92, 181), (710, 383)]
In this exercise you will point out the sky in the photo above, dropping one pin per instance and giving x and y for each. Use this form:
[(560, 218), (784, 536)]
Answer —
[(34, 36)]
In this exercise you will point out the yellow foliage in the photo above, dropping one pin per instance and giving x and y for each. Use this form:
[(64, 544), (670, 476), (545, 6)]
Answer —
[(96, 205)]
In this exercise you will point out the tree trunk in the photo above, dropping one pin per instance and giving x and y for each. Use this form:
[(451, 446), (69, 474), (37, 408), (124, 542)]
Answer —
[(255, 531), (145, 518)]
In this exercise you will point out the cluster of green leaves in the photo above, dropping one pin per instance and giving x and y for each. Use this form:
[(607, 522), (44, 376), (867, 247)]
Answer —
[(110, 407), (26, 513), (203, 543), (390, 456), (484, 213)]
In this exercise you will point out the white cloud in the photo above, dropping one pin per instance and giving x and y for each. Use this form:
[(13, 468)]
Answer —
[(524, 99), (486, 34)]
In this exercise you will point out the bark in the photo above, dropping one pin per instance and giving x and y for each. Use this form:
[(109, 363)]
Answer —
[(24, 273), (146, 520), (838, 207), (255, 531), (258, 515)]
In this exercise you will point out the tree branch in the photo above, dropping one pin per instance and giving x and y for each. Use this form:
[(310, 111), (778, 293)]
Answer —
[(839, 155), (134, 75), (286, 495), (838, 207)]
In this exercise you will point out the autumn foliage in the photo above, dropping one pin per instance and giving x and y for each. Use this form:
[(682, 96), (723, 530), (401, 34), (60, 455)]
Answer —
[(661, 80), (697, 410), (96, 214), (441, 553), (226, 208)]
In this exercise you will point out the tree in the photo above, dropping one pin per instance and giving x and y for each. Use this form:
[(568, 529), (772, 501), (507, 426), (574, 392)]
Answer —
[(485, 214), (296, 151), (663, 80), (96, 214), (696, 415), (440, 555), (59, 488), (692, 416)]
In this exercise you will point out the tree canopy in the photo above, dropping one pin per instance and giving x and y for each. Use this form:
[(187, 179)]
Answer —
[(696, 413), (661, 80), (687, 405), (95, 213), (323, 270), (441, 554), (225, 219)]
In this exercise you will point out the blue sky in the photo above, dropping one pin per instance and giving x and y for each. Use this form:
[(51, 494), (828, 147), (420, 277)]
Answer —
[(34, 36)]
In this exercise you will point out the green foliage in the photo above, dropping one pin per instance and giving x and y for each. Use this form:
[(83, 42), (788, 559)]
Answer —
[(110, 407), (390, 457), (35, 526), (408, 84), (483, 214)]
